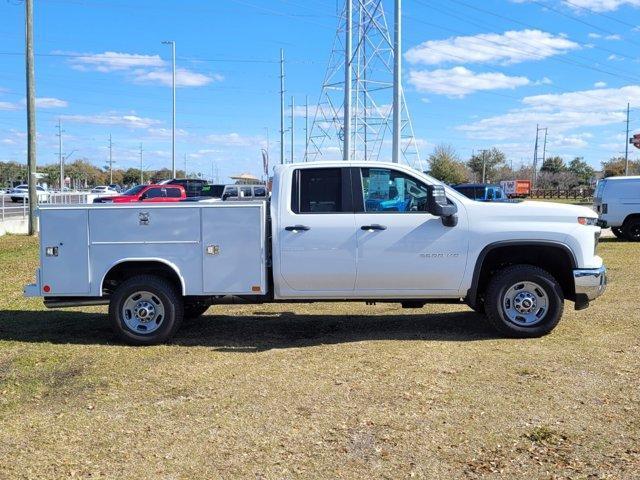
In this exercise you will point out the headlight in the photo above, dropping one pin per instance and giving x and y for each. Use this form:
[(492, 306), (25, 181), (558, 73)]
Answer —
[(592, 221)]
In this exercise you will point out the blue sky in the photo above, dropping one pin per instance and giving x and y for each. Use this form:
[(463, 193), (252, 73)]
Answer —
[(476, 75)]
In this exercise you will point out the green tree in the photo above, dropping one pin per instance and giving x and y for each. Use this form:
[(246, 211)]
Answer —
[(614, 167), (581, 170), (553, 165), (494, 160), (12, 173), (445, 165)]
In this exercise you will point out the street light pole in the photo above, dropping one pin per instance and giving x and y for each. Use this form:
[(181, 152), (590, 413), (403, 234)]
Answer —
[(173, 122)]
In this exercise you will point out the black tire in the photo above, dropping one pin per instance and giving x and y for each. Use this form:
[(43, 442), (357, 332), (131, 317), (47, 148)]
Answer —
[(500, 287), (164, 295), (194, 309), (617, 231), (631, 230)]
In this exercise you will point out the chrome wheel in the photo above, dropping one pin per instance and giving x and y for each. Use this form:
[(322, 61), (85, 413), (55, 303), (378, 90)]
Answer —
[(525, 304), (143, 312)]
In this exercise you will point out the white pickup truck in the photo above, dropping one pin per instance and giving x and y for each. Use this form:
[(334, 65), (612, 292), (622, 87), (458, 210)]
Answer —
[(338, 231)]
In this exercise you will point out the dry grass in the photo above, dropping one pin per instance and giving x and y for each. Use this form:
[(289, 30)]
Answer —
[(320, 391)]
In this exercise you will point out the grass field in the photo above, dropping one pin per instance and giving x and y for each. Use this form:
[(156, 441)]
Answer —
[(320, 391)]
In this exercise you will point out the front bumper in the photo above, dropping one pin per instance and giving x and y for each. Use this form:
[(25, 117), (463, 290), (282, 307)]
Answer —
[(589, 283)]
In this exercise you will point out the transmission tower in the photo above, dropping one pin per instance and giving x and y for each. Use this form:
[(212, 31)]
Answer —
[(366, 36)]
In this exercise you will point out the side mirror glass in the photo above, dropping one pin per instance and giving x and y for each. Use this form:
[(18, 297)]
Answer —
[(438, 205)]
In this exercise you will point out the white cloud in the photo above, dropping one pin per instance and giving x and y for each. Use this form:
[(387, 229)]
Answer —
[(601, 5), (460, 81), (507, 48), (615, 58), (8, 106), (559, 112), (115, 61), (184, 77), (234, 140), (129, 121), (613, 36), (148, 69), (50, 102), (600, 84)]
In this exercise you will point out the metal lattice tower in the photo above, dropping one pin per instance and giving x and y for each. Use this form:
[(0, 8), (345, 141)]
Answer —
[(372, 67)]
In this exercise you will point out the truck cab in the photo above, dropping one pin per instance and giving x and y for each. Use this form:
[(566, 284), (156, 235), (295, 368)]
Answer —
[(331, 231)]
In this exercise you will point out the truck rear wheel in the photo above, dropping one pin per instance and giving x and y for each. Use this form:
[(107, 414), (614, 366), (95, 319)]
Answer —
[(617, 231), (145, 310), (631, 230), (524, 301)]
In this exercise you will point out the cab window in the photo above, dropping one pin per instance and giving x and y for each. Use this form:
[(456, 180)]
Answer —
[(154, 193), (389, 191), (320, 190)]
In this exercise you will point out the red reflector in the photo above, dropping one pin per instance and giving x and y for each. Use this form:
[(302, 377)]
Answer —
[(46, 289)]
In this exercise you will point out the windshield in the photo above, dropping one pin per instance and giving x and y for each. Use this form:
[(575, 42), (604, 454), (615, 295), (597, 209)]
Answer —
[(600, 189), (133, 190)]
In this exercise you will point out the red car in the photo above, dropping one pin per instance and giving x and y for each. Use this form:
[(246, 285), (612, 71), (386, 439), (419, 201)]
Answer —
[(147, 193)]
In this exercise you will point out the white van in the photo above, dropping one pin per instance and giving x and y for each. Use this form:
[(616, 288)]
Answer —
[(617, 201)]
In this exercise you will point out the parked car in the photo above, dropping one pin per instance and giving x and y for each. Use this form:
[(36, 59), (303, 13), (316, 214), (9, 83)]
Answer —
[(147, 193), (220, 193), (482, 192), (21, 194), (617, 201), (103, 190), (317, 240), (192, 186), (116, 187)]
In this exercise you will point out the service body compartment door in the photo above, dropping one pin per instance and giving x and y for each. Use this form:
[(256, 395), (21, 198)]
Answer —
[(233, 249), (66, 269)]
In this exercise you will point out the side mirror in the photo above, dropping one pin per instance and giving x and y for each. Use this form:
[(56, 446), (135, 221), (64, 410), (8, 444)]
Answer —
[(142, 197), (438, 205)]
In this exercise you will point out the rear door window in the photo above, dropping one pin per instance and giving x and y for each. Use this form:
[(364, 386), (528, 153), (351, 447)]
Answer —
[(173, 193), (155, 193), (321, 190)]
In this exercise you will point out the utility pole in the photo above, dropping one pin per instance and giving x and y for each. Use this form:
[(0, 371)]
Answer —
[(626, 145), (141, 167), (293, 114), (282, 106), (306, 127), (397, 81), (110, 161), (544, 147), (346, 148), (534, 173), (484, 165), (185, 166), (60, 157), (31, 116), (173, 122)]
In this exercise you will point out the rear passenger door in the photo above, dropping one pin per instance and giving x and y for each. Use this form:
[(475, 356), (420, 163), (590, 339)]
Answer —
[(316, 234)]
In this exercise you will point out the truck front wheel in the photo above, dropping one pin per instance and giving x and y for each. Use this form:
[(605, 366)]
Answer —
[(524, 301), (145, 310)]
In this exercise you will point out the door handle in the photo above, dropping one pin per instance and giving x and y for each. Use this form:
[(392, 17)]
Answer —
[(373, 227), (294, 228)]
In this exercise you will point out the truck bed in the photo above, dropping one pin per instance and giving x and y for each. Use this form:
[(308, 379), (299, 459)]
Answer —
[(219, 247)]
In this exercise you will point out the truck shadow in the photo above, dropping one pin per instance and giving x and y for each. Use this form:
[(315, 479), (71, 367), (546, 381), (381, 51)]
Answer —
[(252, 332)]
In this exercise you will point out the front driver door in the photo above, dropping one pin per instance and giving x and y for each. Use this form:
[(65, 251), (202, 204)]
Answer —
[(402, 249)]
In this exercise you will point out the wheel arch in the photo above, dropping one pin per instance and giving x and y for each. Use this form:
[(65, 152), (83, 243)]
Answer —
[(503, 253), (127, 267)]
